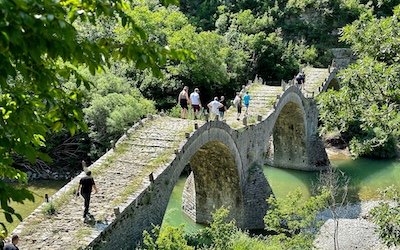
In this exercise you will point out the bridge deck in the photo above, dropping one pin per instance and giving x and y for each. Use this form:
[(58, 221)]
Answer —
[(122, 173)]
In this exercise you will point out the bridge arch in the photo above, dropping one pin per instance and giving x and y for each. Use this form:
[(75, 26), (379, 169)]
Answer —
[(331, 82), (287, 145), (290, 131), (293, 141), (216, 178)]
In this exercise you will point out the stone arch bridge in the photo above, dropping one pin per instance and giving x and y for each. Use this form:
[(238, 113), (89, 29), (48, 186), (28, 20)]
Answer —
[(137, 177)]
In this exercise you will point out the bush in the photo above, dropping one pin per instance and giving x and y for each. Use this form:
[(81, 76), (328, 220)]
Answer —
[(49, 208), (387, 216)]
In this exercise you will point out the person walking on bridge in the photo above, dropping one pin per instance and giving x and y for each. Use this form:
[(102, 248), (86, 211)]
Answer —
[(183, 100), (86, 184), (238, 102), (246, 100), (196, 103), (214, 107), (223, 108)]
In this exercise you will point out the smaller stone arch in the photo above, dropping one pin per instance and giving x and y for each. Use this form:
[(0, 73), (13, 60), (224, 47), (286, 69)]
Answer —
[(287, 146), (333, 84), (293, 141)]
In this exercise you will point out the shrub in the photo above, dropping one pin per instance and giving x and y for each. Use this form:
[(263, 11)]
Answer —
[(387, 216)]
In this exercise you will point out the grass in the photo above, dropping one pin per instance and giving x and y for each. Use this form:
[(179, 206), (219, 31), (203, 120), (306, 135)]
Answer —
[(251, 119), (49, 208), (32, 226), (53, 206), (39, 189)]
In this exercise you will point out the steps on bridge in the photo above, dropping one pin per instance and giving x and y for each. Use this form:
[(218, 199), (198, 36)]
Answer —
[(261, 103), (314, 78), (263, 96)]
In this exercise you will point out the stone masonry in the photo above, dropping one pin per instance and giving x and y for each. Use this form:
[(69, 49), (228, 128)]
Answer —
[(136, 178)]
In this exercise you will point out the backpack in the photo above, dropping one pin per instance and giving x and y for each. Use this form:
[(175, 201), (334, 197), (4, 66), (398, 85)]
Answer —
[(236, 101)]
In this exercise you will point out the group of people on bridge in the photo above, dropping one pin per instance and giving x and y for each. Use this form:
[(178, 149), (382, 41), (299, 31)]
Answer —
[(217, 107)]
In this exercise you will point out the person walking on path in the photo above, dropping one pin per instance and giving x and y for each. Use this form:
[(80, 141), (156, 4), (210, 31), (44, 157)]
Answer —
[(196, 103), (223, 108), (238, 102), (86, 184), (183, 100), (13, 244), (300, 80), (214, 107), (246, 100)]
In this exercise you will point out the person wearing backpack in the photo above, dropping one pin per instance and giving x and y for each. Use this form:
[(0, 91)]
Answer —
[(238, 103)]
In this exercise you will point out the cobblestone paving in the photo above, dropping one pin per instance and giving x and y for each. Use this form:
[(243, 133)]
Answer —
[(120, 173), (117, 176)]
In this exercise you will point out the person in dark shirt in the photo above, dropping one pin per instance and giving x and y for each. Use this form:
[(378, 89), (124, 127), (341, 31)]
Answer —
[(86, 184), (223, 109), (13, 244)]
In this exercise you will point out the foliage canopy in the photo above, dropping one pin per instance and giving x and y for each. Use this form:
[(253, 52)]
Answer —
[(367, 108), (40, 49)]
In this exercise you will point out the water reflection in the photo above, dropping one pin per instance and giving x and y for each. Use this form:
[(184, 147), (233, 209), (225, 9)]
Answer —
[(366, 177)]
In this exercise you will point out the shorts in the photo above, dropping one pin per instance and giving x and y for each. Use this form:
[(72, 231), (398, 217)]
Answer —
[(247, 105), (183, 103), (196, 107)]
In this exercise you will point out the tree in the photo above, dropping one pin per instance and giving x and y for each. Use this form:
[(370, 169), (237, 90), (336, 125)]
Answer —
[(215, 66), (387, 216), (113, 105), (292, 220), (40, 49), (366, 109), (334, 184), (268, 54), (170, 238)]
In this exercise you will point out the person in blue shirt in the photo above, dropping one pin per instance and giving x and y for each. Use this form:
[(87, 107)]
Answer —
[(246, 100)]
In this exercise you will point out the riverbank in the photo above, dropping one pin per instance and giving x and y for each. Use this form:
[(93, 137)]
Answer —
[(355, 230)]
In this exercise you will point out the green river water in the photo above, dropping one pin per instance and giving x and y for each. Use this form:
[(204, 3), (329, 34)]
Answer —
[(366, 178)]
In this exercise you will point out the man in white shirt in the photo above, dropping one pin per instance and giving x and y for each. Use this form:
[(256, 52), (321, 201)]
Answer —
[(196, 103), (214, 107)]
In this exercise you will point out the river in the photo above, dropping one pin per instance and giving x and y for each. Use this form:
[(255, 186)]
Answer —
[(366, 177)]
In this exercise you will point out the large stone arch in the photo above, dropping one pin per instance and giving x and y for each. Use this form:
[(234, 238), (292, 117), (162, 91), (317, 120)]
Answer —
[(216, 178), (149, 206)]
